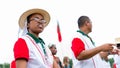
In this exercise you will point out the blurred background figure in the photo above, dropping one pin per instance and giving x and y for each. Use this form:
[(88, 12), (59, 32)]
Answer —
[(105, 59), (59, 62), (53, 50), (67, 63)]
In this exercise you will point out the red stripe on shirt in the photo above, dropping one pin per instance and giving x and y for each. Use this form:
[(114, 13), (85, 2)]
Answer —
[(20, 49), (77, 46)]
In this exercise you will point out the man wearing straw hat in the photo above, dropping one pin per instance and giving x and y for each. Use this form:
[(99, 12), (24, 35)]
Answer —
[(117, 57), (30, 50)]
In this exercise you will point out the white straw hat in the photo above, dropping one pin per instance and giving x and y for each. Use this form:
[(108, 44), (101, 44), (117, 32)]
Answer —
[(117, 40), (24, 16)]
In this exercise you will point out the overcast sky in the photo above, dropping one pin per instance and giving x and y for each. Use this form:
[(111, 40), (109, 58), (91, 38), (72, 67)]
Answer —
[(104, 14)]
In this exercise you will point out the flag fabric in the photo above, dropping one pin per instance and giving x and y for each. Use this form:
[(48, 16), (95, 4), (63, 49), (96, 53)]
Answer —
[(59, 32)]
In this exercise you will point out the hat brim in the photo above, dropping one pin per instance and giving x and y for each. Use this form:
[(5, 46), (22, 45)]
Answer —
[(24, 16), (117, 40)]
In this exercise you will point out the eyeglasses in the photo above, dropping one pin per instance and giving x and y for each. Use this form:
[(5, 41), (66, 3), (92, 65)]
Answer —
[(38, 20)]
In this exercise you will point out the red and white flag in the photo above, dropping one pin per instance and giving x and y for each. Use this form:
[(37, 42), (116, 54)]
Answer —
[(59, 32)]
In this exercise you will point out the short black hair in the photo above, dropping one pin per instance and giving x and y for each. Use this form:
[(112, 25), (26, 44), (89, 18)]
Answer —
[(82, 20), (28, 18)]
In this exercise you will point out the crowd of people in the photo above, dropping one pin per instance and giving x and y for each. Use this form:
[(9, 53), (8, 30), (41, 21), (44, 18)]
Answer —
[(30, 50)]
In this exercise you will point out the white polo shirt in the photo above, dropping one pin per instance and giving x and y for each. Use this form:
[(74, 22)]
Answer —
[(26, 47), (79, 43)]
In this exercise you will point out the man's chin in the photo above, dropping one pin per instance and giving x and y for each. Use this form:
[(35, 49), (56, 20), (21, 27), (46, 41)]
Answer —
[(41, 30)]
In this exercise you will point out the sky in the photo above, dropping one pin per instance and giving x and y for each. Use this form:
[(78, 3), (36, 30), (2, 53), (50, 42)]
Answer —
[(104, 15)]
